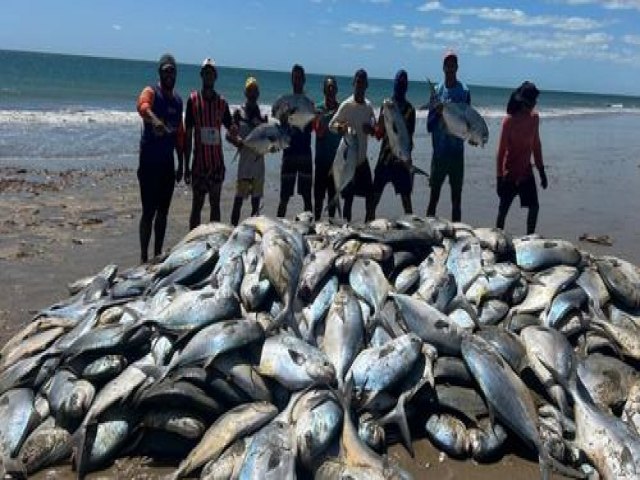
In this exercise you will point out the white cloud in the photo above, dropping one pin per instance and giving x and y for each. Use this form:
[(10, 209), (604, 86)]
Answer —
[(363, 47), (451, 20), (116, 27), (631, 39), (608, 4), (517, 17), (430, 7), (358, 28)]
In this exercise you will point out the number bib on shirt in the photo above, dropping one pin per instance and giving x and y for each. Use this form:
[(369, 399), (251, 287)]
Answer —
[(209, 136)]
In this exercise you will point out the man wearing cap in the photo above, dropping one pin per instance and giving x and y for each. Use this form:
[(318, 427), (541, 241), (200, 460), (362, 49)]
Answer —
[(162, 134), (250, 179), (205, 114), (389, 168), (327, 143), (296, 158), (356, 112), (448, 150)]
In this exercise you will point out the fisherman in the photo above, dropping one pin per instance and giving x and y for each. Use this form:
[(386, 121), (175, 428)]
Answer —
[(390, 168), (448, 150), (162, 132), (296, 158), (519, 139), (250, 178), (356, 112), (327, 143), (205, 114)]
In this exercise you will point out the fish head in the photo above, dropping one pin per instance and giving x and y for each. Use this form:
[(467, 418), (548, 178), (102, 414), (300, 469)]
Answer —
[(323, 372)]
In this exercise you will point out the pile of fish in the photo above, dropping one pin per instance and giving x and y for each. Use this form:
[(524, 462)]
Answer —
[(285, 348)]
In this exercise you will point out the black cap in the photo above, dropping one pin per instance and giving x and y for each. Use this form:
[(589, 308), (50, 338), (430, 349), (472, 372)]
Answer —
[(166, 60)]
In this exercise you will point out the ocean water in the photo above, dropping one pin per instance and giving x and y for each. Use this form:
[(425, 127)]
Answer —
[(61, 111), (67, 112)]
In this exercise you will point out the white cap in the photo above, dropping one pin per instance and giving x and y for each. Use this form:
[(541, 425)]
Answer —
[(208, 62)]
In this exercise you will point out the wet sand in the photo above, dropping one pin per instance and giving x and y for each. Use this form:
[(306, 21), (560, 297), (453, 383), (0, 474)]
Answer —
[(56, 227)]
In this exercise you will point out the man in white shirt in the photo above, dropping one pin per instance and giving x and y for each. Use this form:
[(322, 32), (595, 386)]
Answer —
[(356, 112)]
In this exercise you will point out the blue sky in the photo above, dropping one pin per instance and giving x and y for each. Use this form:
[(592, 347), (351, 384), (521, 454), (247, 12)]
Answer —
[(577, 45)]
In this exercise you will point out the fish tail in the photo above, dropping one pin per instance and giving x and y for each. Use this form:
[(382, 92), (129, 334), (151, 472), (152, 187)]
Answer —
[(399, 416)]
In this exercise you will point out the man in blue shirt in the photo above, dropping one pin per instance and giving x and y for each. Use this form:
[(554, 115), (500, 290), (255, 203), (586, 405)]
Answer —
[(448, 151)]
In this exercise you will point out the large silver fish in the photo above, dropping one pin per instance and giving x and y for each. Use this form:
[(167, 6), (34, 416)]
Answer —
[(267, 138), (463, 121), (344, 163), (295, 109), (396, 130)]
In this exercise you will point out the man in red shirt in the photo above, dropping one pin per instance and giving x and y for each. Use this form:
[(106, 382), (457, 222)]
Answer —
[(519, 139), (206, 112)]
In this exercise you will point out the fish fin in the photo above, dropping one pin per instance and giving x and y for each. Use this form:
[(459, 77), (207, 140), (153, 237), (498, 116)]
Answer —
[(418, 171), (398, 415), (548, 464), (82, 451), (460, 301)]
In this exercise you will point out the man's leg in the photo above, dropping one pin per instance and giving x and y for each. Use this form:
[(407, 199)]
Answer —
[(215, 190), (146, 222), (287, 184), (456, 178), (255, 206), (438, 174), (197, 202), (380, 180), (160, 223), (146, 219), (406, 203), (505, 203), (235, 211), (456, 203), (331, 194), (532, 219), (369, 207), (305, 180), (346, 206), (320, 186)]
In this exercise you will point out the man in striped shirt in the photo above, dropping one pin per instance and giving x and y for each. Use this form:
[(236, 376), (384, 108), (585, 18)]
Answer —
[(206, 112)]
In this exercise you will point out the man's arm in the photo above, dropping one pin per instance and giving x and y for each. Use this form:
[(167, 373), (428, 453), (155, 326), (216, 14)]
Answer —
[(232, 134), (180, 140), (502, 147), (537, 153), (411, 125), (337, 123), (188, 140), (144, 106)]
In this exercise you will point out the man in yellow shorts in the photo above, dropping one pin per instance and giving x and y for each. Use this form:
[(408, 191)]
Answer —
[(250, 180)]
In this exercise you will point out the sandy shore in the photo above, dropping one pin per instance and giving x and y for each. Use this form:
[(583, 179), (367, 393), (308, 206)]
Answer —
[(56, 227)]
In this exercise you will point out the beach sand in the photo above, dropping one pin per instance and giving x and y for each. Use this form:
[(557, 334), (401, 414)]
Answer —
[(56, 227)]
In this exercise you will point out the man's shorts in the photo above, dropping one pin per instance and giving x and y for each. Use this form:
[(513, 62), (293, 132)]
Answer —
[(393, 172), (156, 189), (451, 167), (293, 166), (361, 185), (249, 187), (205, 183), (526, 190)]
